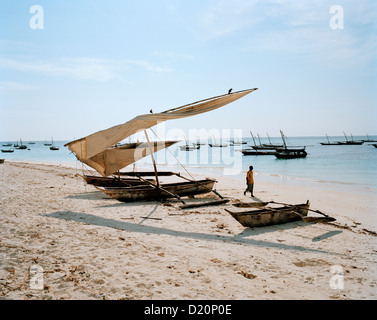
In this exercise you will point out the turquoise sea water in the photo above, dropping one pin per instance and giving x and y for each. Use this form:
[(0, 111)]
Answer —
[(341, 167)]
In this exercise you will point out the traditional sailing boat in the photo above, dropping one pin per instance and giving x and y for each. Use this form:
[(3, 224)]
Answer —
[(20, 146), (97, 151), (214, 144), (368, 139), (54, 148), (328, 143), (258, 150), (349, 142), (290, 152)]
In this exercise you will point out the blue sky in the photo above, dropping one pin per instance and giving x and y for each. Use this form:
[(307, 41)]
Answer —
[(96, 64)]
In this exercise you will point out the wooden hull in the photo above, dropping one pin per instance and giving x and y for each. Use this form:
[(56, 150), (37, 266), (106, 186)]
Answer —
[(257, 153), (213, 145), (350, 143), (262, 147), (291, 154), (189, 148), (148, 192), (268, 216), (112, 182)]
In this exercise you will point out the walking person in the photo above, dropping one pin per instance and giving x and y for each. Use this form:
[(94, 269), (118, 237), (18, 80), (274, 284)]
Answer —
[(250, 181)]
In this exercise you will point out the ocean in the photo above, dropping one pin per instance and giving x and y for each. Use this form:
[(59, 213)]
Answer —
[(351, 168)]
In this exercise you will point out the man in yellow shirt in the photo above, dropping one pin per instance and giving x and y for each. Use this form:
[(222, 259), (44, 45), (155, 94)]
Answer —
[(250, 181)]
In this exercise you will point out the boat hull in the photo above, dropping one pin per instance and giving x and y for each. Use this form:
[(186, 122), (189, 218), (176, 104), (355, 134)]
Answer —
[(257, 153), (291, 154), (112, 182), (147, 192), (350, 143), (268, 216)]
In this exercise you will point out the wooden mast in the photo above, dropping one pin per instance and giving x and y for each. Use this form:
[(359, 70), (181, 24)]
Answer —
[(253, 138), (282, 136), (154, 163)]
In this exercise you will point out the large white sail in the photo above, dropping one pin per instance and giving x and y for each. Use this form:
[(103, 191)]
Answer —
[(95, 147)]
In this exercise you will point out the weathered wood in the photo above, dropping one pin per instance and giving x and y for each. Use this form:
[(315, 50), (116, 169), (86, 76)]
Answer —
[(250, 204), (202, 204), (270, 216), (218, 194), (149, 191), (147, 173)]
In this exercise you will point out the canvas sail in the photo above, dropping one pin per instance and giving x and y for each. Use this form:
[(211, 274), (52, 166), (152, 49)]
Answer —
[(94, 148), (114, 159)]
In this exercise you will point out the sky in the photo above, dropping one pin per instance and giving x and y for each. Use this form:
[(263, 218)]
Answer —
[(71, 68)]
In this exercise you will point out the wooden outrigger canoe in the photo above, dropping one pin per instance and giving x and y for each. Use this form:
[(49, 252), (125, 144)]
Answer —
[(271, 216), (112, 181), (97, 151), (163, 191)]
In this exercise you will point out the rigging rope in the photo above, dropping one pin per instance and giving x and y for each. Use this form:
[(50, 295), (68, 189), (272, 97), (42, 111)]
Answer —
[(174, 156)]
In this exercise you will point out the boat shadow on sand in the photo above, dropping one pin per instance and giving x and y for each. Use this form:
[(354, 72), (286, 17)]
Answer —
[(139, 228)]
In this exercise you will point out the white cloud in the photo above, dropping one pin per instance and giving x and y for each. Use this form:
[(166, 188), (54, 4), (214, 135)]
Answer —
[(16, 86), (301, 28), (81, 68)]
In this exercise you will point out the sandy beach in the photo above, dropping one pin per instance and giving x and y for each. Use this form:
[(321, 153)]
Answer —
[(84, 245)]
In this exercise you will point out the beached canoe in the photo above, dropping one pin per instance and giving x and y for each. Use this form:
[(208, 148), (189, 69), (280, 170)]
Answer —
[(168, 190), (270, 216)]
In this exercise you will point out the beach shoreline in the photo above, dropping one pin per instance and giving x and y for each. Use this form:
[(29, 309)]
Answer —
[(89, 246)]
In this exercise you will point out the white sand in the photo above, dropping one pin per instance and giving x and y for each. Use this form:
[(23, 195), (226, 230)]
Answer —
[(88, 246)]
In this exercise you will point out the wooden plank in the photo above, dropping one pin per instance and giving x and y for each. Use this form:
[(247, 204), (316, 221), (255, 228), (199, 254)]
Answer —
[(147, 173), (202, 204)]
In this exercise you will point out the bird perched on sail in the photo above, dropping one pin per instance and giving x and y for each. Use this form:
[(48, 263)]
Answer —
[(230, 90)]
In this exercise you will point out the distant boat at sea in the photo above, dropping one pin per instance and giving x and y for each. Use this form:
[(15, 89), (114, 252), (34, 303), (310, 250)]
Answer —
[(368, 139), (7, 144), (188, 147), (290, 152), (7, 150), (20, 146), (328, 143), (350, 142), (216, 145), (236, 142), (264, 146), (52, 145)]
